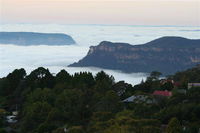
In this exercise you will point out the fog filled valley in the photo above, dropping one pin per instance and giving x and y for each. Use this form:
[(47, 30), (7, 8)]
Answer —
[(40, 93), (59, 57), (99, 66)]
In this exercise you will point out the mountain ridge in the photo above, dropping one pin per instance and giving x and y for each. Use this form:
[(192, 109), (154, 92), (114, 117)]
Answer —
[(35, 38), (166, 54)]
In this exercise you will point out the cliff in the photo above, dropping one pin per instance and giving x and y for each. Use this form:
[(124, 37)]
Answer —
[(31, 38), (166, 54)]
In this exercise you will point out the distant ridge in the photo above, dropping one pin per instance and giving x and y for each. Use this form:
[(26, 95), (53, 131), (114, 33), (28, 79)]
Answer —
[(172, 42), (33, 38), (167, 55)]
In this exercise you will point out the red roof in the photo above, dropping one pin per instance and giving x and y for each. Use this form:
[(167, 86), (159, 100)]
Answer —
[(162, 93), (177, 84)]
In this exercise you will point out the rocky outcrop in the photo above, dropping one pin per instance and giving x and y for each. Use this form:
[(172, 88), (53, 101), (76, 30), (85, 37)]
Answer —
[(31, 38), (166, 54)]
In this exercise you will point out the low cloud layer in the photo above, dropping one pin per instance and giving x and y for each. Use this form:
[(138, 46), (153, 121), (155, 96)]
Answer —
[(88, 35), (54, 58), (59, 57)]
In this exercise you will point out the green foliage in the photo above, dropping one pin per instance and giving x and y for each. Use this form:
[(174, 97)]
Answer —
[(101, 116), (129, 125), (76, 129), (190, 75), (123, 89), (1, 122), (63, 81), (2, 130), (154, 75), (151, 129), (63, 77), (15, 77), (58, 130), (45, 127), (174, 126), (99, 120), (41, 95), (9, 84), (70, 103), (83, 80), (94, 104), (34, 115), (40, 78), (126, 113), (167, 86), (104, 82), (109, 103)]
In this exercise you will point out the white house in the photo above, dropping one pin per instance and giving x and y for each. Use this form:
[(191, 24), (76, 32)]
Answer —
[(139, 99), (190, 85)]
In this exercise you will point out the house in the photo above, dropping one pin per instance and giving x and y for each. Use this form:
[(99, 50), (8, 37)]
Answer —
[(139, 99), (11, 119), (181, 91), (134, 98), (162, 93), (190, 85), (177, 84), (15, 113)]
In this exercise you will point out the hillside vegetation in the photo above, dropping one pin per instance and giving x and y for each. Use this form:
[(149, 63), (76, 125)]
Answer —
[(86, 103)]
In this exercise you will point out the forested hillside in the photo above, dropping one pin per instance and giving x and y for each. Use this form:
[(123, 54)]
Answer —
[(86, 103)]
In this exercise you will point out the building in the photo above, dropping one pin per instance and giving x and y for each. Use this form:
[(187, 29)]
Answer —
[(11, 119), (162, 93), (139, 99), (190, 85), (15, 113)]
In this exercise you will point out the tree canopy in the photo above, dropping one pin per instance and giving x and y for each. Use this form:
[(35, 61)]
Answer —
[(87, 103)]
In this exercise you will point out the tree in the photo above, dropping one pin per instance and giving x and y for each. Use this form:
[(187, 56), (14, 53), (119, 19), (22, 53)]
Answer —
[(99, 120), (154, 75), (2, 130), (45, 127), (83, 80), (1, 122), (40, 78), (167, 86), (104, 82), (59, 130), (100, 76), (41, 95), (55, 117), (34, 115), (174, 126), (4, 86), (9, 84), (15, 77), (109, 103), (70, 102), (63, 76), (76, 129), (123, 89)]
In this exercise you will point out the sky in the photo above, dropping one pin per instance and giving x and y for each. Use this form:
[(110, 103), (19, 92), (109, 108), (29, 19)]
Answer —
[(123, 12)]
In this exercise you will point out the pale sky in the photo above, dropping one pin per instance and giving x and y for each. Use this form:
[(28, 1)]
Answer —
[(130, 12)]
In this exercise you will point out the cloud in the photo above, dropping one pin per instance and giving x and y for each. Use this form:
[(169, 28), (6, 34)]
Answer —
[(87, 35), (58, 57), (53, 57)]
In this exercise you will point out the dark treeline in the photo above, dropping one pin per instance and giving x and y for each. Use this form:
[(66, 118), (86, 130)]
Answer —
[(84, 103)]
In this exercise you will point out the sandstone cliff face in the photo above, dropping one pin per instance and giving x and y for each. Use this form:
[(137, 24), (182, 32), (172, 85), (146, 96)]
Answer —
[(167, 55)]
